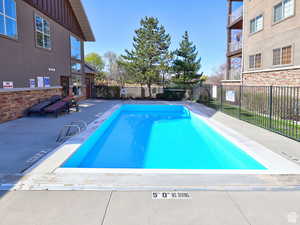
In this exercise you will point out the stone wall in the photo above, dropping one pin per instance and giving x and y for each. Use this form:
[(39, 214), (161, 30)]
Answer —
[(14, 102), (289, 77)]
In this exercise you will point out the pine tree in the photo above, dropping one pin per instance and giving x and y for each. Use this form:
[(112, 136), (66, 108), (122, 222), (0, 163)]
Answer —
[(150, 50), (186, 64)]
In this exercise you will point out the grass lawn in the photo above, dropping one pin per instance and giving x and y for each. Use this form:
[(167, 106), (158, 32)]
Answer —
[(285, 127)]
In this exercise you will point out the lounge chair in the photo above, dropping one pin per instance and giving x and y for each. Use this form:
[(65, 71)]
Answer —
[(38, 108), (58, 107), (55, 98)]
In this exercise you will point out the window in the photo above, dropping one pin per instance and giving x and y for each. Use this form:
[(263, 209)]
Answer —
[(75, 48), (42, 30), (251, 61), (76, 67), (276, 56), (8, 18), (287, 55), (283, 10), (278, 12), (282, 56), (256, 24), (255, 61)]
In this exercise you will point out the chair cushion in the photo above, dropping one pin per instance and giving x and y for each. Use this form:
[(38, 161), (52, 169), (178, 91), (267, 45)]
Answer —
[(55, 98), (40, 106), (56, 106)]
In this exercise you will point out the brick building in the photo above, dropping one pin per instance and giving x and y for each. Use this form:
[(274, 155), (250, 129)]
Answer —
[(41, 52)]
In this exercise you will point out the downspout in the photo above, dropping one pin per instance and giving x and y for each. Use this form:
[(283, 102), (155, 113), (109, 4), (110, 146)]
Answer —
[(243, 43)]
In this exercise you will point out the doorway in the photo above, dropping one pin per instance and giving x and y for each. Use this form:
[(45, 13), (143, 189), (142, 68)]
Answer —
[(64, 82), (88, 84)]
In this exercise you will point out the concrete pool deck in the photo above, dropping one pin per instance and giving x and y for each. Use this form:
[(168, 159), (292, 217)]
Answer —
[(43, 177), (274, 163), (25, 140), (265, 199), (138, 208)]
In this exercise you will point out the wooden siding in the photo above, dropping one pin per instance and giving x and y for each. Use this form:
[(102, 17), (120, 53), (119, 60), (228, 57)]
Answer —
[(60, 11)]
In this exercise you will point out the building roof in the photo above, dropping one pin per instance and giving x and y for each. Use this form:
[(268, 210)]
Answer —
[(89, 69), (82, 20)]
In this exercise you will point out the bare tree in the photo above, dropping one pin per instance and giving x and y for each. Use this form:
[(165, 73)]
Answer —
[(218, 75), (116, 70), (111, 61)]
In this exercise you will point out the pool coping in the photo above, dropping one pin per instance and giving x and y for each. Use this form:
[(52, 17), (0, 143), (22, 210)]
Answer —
[(52, 162)]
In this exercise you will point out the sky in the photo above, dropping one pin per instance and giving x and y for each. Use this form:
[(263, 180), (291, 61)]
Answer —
[(114, 21)]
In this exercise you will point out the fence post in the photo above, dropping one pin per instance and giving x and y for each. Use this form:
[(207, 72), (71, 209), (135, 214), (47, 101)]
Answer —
[(240, 102), (271, 106)]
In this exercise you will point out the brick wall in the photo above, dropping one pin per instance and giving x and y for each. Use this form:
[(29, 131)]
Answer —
[(13, 103), (282, 78)]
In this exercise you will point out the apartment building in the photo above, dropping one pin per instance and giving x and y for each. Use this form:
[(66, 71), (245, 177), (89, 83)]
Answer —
[(269, 50), (41, 52), (42, 44), (234, 42)]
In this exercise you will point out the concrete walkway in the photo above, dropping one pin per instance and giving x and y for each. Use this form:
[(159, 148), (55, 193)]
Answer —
[(138, 208), (24, 141), (283, 146)]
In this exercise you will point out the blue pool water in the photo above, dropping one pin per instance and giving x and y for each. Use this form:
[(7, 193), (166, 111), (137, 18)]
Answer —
[(158, 137)]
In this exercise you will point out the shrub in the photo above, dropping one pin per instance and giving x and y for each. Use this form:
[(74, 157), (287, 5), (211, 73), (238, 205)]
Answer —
[(172, 95)]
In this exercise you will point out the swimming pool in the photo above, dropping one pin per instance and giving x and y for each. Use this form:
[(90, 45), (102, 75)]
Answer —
[(159, 137)]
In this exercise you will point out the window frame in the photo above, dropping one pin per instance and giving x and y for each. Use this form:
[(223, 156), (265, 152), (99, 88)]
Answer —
[(283, 59), (5, 35), (255, 19), (282, 3), (251, 61), (80, 48), (281, 56), (255, 56), (258, 55), (76, 60), (36, 31), (76, 71), (274, 11), (276, 50)]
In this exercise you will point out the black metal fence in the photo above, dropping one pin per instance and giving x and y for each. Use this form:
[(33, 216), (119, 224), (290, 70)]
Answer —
[(275, 108)]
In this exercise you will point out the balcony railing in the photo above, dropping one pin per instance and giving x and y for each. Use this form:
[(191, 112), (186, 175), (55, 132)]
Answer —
[(236, 15), (235, 74), (235, 46)]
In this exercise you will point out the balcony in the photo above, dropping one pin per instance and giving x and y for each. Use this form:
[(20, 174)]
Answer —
[(236, 16), (235, 46), (234, 74)]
